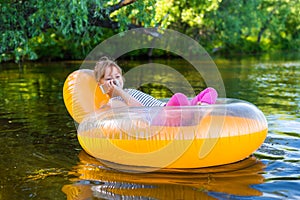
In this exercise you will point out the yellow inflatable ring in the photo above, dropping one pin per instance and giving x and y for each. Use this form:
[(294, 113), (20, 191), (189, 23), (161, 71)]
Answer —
[(162, 137)]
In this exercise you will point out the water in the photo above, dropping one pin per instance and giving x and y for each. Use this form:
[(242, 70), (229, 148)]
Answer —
[(41, 158)]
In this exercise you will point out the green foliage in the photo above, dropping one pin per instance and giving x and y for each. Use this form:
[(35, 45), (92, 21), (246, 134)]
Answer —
[(139, 13), (58, 29), (236, 26), (254, 26)]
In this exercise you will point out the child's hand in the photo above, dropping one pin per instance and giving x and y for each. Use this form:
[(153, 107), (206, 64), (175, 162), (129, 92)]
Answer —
[(115, 88), (107, 87), (116, 83), (111, 86)]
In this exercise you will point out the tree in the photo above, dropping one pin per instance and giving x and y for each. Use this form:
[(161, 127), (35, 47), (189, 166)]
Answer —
[(59, 29), (242, 26), (35, 29), (258, 25)]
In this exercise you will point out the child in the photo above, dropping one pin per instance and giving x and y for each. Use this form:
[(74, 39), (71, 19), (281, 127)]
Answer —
[(109, 75)]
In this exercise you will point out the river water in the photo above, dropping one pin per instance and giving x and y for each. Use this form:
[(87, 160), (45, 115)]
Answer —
[(42, 159)]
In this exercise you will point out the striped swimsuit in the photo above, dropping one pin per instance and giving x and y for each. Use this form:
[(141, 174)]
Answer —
[(144, 99)]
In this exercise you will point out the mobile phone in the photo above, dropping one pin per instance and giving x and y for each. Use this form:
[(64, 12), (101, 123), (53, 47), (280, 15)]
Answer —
[(104, 89), (116, 82)]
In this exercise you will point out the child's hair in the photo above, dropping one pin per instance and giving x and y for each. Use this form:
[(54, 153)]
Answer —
[(100, 67)]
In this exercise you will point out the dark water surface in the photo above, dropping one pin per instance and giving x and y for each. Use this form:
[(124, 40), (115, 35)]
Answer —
[(42, 159)]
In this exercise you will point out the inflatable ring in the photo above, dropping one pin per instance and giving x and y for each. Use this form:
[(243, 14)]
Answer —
[(163, 137)]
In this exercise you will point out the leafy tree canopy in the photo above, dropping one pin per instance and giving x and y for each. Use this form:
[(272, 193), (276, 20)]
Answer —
[(58, 29)]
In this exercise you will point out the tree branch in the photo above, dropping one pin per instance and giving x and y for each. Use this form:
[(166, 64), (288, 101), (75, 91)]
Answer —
[(265, 25), (106, 22), (121, 4)]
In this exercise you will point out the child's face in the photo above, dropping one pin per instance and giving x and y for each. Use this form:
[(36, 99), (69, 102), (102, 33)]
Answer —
[(112, 73)]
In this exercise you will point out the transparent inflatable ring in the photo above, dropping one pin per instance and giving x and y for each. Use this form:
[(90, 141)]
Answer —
[(162, 137)]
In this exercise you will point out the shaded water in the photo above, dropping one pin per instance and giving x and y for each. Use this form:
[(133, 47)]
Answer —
[(41, 158)]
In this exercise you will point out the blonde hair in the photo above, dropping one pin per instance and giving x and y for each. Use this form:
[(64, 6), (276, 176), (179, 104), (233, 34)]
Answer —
[(102, 65)]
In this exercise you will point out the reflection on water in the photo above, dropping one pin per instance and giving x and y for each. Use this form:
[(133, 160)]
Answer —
[(41, 158), (93, 179)]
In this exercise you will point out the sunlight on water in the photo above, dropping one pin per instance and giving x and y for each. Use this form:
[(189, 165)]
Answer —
[(280, 86)]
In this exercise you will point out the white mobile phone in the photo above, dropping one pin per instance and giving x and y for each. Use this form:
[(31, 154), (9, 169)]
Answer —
[(117, 83), (104, 89)]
